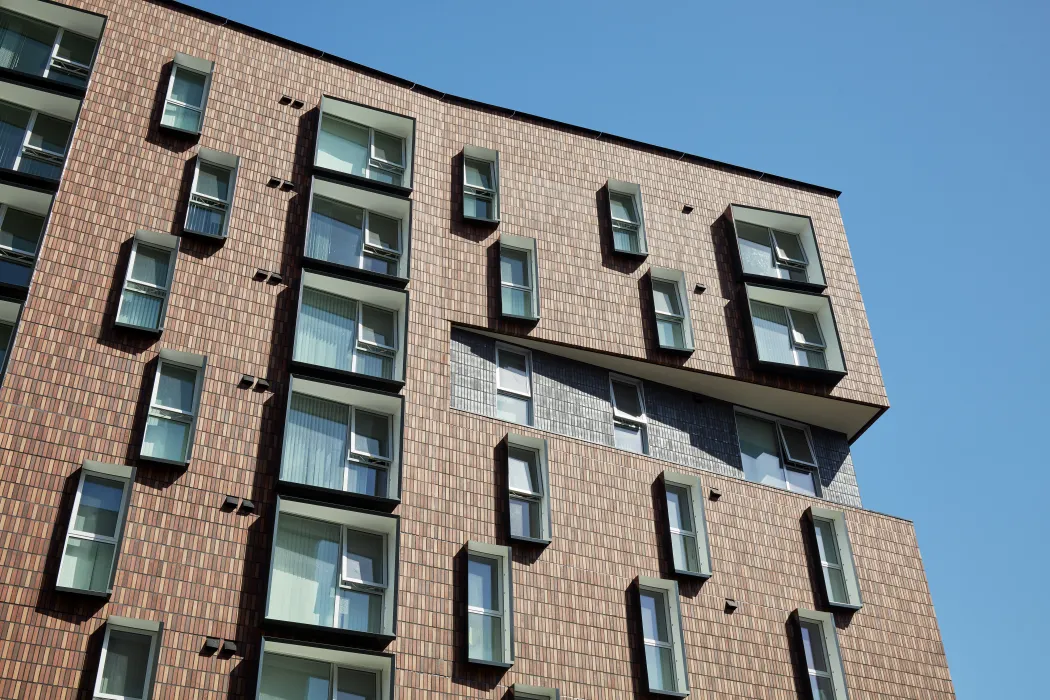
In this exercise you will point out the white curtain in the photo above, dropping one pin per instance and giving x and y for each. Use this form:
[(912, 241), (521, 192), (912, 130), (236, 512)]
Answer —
[(25, 45), (290, 678), (342, 146), (772, 333), (315, 442), (335, 232), (127, 656), (305, 571), (325, 331)]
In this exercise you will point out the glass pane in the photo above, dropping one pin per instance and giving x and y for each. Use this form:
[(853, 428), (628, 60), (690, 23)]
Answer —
[(517, 302), (165, 439), (99, 510), (127, 656), (305, 571), (670, 333), (383, 266), (372, 433), (628, 438), (20, 230), (361, 478), (377, 326), (188, 87), (374, 364), (13, 123), (342, 146), (151, 265), (814, 358), (483, 589), (485, 637), (627, 399), (822, 687), (523, 470), (205, 219), (175, 387), (660, 668), (524, 518), (356, 685), (86, 565), (813, 642), (801, 482), (364, 557), (789, 246), (6, 331), (383, 232), (389, 148), (360, 610), (758, 451), (289, 678), (623, 207), (479, 173), (665, 297), (181, 117), (796, 444), (335, 232), (478, 207), (76, 47), (685, 552), (514, 267), (213, 181), (829, 548), (325, 330), (625, 240), (512, 408), (654, 617), (315, 442), (836, 581), (25, 45), (50, 133), (806, 328), (513, 372), (679, 508), (771, 333)]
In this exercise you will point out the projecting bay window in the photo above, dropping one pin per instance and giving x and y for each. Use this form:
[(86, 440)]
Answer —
[(174, 405), (480, 184), (291, 671), (776, 246), (687, 525), (794, 330), (187, 94), (519, 289), (490, 607), (528, 489), (334, 568), (211, 195), (95, 529), (30, 45), (21, 231), (674, 328), (32, 141), (10, 312), (147, 283), (833, 547), (343, 440), (366, 143), (820, 654), (628, 224), (128, 663), (513, 384), (776, 452), (629, 419), (534, 692), (665, 661)]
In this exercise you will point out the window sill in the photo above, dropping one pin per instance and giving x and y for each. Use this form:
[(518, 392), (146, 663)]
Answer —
[(342, 498), (695, 575), (141, 329), (366, 276), (161, 460), (669, 693), (480, 220), (491, 664), (30, 182), (205, 236), (828, 376), (340, 376), (845, 606), (795, 285), (9, 75), (536, 541), (687, 350), (516, 317), (179, 131), (363, 182), (329, 635), (641, 255), (81, 591)]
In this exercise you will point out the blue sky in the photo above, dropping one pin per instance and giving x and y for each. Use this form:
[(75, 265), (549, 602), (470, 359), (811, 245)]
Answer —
[(932, 118)]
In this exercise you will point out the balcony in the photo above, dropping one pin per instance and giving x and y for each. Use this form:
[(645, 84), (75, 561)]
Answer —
[(48, 45), (35, 128), (23, 215)]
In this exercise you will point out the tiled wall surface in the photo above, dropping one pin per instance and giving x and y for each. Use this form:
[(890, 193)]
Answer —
[(76, 389)]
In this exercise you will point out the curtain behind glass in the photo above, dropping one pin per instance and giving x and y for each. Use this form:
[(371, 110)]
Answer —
[(758, 451), (181, 117), (13, 123), (772, 333), (25, 45), (305, 572), (127, 656), (356, 685), (86, 565), (335, 232), (290, 678), (756, 249), (315, 442), (140, 309), (325, 331), (342, 146)]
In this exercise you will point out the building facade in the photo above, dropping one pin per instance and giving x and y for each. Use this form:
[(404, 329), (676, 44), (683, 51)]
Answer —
[(318, 383)]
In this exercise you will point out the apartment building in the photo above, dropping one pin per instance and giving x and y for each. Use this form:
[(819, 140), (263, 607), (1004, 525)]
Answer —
[(319, 384)]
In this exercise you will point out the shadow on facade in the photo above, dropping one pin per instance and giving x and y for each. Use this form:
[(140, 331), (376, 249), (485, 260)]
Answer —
[(470, 230), (476, 676), (126, 340), (617, 262), (634, 640), (175, 142), (92, 656)]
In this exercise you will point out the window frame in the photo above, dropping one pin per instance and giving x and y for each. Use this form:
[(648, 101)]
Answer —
[(41, 154), (337, 657), (676, 278), (151, 239), (825, 622), (69, 66), (183, 360), (812, 469), (18, 257), (191, 64), (527, 354), (217, 159), (154, 630), (490, 157), (503, 557), (694, 491), (798, 225), (542, 497), (525, 245), (10, 315), (667, 590), (634, 191), (848, 566), (624, 419), (788, 300), (521, 691)]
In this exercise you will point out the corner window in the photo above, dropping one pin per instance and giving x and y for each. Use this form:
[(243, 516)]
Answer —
[(211, 194), (10, 312), (365, 142), (793, 329), (290, 671), (687, 525), (172, 419), (665, 662), (334, 568), (820, 653), (776, 246), (674, 328), (480, 184), (128, 662), (838, 570), (625, 211), (187, 95), (490, 620), (95, 529), (38, 48), (147, 282), (518, 272), (764, 452), (513, 384), (629, 419), (528, 489), (33, 142), (20, 235)]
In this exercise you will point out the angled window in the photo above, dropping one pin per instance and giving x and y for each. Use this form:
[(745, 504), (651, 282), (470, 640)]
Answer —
[(364, 142), (629, 419), (687, 525), (518, 274), (513, 384), (480, 184), (147, 281), (95, 528), (23, 215), (534, 692), (343, 439), (665, 662), (291, 671), (795, 330), (776, 246), (173, 408), (187, 95), (838, 570), (46, 49), (34, 142), (776, 452), (819, 650), (211, 195), (128, 663), (10, 312), (628, 225), (351, 327), (674, 328), (528, 489), (490, 605)]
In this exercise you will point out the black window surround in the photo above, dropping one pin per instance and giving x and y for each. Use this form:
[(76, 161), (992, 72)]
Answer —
[(775, 248), (17, 264), (533, 496), (380, 663)]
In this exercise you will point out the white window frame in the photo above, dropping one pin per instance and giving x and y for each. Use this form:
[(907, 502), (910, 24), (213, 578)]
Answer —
[(541, 497), (786, 454), (65, 65), (153, 630), (197, 363), (836, 519), (825, 623), (363, 346), (785, 463), (160, 241), (42, 154), (380, 463), (667, 591), (502, 556), (190, 64), (18, 256), (801, 346), (380, 163), (111, 472), (634, 192), (216, 159), (694, 493), (640, 423), (360, 585), (378, 250), (796, 225), (379, 664), (675, 278), (500, 389), (525, 245), (491, 158)]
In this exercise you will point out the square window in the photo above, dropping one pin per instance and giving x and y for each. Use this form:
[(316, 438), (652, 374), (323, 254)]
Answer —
[(362, 142), (776, 247), (665, 662), (776, 452)]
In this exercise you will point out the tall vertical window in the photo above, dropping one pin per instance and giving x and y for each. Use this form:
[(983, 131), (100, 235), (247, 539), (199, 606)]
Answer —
[(211, 194), (820, 653), (517, 275), (776, 453), (665, 662), (128, 661), (674, 329), (364, 142), (833, 548), (625, 212), (629, 419), (172, 418), (489, 608), (687, 526), (528, 489), (291, 671), (30, 46), (147, 283), (20, 234), (33, 142), (187, 94), (513, 384), (480, 184)]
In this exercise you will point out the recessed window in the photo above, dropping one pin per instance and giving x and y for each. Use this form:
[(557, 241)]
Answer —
[(528, 489), (629, 419), (480, 184), (534, 692), (674, 328), (776, 246), (334, 568), (20, 235), (128, 661), (147, 283), (838, 570), (172, 419), (792, 329), (291, 671), (187, 94), (32, 141), (820, 653), (687, 526), (46, 50), (211, 194), (513, 384), (625, 211), (518, 272), (665, 663), (489, 605), (95, 528), (764, 452), (10, 312), (364, 142)]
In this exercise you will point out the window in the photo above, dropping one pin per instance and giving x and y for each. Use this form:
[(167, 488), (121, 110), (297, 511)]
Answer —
[(147, 282), (513, 384), (528, 489), (480, 184), (629, 420), (518, 277), (351, 327), (31, 46), (364, 142), (776, 246), (20, 234), (687, 525), (820, 654), (128, 661), (172, 418), (290, 671), (211, 195), (334, 568), (625, 212), (187, 94), (33, 142), (10, 312), (95, 528), (793, 329), (534, 692), (490, 619), (674, 329), (776, 453), (838, 570), (343, 439), (665, 663)]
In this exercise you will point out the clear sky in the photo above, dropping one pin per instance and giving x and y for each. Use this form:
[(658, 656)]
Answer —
[(932, 118)]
